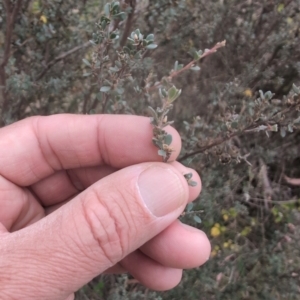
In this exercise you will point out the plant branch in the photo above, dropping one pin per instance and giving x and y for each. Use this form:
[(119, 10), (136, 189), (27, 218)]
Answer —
[(291, 201), (61, 57), (253, 127), (129, 22), (173, 74)]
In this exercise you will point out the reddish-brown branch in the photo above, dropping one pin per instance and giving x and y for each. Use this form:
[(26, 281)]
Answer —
[(191, 64), (129, 22), (248, 129)]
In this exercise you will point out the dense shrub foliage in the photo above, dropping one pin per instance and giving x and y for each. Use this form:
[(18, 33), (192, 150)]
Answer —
[(238, 115)]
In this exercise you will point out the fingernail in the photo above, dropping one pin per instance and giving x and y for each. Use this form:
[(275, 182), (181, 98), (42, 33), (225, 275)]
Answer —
[(162, 190)]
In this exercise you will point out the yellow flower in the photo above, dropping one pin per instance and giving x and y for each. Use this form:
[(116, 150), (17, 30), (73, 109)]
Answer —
[(225, 217), (280, 7), (43, 18), (35, 7), (289, 20), (226, 245), (248, 93), (215, 231), (215, 251)]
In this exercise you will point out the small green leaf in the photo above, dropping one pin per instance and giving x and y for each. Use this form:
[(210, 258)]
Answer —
[(150, 37), (188, 176), (168, 139), (99, 96), (173, 94), (269, 95), (132, 36), (152, 112), (282, 132), (234, 125), (195, 68), (115, 4), (87, 74), (176, 65), (296, 121), (86, 62), (194, 53), (197, 219), (107, 9), (92, 42), (162, 153), (151, 46), (113, 35), (261, 94), (157, 143), (114, 69), (118, 64), (162, 93), (103, 24), (192, 183), (126, 49), (120, 90), (105, 89), (189, 207), (120, 15), (296, 89)]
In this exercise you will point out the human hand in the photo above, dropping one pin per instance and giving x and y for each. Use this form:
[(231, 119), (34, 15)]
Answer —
[(83, 195)]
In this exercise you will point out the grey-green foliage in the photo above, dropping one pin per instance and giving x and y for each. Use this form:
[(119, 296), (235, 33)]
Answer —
[(44, 69), (95, 56)]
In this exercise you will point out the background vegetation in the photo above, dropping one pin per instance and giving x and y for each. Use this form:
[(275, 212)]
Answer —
[(75, 56)]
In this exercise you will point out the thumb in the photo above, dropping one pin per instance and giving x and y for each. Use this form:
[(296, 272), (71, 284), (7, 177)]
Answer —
[(93, 232)]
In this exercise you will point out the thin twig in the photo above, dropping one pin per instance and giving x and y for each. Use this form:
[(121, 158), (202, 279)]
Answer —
[(291, 201), (61, 57), (190, 65), (19, 46), (265, 183), (217, 142), (249, 129), (292, 181)]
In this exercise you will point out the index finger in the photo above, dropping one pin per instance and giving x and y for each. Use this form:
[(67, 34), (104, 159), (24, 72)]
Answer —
[(35, 148)]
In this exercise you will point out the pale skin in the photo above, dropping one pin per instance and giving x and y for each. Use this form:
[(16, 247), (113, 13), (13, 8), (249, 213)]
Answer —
[(85, 195)]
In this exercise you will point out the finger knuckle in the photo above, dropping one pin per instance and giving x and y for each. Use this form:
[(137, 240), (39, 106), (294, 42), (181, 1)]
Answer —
[(109, 223)]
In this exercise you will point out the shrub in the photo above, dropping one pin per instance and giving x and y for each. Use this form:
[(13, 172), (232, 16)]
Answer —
[(237, 115)]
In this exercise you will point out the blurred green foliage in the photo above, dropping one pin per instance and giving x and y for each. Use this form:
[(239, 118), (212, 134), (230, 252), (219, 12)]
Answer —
[(91, 57)]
